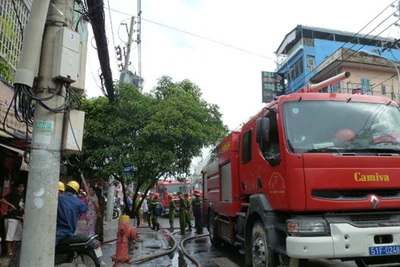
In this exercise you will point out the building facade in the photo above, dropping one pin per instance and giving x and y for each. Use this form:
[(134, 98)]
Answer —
[(306, 52)]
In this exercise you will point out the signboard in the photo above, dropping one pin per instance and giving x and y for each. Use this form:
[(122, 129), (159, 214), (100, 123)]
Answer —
[(273, 85)]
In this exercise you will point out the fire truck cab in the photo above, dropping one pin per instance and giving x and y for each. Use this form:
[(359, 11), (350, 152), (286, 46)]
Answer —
[(311, 176)]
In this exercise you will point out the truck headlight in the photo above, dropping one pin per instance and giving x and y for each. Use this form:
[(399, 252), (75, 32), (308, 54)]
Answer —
[(307, 227)]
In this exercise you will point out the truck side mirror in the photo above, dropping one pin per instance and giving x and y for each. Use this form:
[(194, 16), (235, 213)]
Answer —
[(262, 130)]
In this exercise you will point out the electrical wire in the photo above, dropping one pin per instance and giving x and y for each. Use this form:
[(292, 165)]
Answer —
[(356, 35), (95, 13), (112, 33), (198, 36)]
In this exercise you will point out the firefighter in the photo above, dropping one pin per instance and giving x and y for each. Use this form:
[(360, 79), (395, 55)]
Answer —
[(197, 212), (149, 202), (182, 212), (171, 212), (138, 208), (188, 217), (155, 211)]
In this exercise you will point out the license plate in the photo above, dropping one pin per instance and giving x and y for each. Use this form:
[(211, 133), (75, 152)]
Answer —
[(384, 250), (98, 252)]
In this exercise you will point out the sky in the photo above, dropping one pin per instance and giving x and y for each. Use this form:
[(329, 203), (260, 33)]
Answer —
[(229, 77)]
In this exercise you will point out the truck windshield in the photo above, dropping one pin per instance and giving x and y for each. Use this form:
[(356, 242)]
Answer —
[(333, 126), (175, 188)]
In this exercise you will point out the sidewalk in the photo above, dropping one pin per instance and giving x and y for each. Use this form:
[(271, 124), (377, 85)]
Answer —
[(149, 242)]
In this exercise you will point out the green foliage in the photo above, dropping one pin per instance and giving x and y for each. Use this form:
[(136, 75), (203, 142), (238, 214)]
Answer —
[(6, 71), (158, 133)]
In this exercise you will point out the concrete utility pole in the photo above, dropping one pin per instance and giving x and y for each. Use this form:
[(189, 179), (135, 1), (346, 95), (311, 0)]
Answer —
[(110, 199), (41, 198), (139, 38), (129, 45)]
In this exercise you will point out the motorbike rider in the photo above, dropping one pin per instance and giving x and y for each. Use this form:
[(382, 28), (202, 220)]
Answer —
[(69, 207), (61, 188)]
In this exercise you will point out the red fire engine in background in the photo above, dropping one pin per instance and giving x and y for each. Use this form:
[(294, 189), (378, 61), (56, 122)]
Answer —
[(166, 187), (311, 176)]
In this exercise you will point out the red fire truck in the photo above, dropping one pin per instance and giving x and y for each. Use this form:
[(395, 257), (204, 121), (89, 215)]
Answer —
[(166, 187), (311, 176)]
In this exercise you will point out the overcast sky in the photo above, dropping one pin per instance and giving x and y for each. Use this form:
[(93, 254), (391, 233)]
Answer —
[(228, 77)]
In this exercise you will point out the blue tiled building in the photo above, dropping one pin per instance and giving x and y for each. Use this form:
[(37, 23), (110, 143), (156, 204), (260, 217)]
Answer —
[(304, 48)]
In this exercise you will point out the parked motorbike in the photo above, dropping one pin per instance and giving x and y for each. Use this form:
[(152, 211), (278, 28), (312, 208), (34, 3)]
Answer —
[(116, 212), (80, 249)]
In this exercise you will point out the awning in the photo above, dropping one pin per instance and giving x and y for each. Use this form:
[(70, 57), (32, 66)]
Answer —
[(24, 166), (4, 134), (19, 151)]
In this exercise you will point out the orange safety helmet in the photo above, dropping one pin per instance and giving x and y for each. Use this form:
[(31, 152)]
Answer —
[(343, 136), (156, 195), (170, 195), (197, 192)]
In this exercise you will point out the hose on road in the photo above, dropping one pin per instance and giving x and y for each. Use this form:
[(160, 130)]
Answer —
[(187, 254)]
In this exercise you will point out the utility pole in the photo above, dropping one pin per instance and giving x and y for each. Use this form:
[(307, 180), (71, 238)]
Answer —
[(38, 243), (139, 38), (110, 199), (128, 48)]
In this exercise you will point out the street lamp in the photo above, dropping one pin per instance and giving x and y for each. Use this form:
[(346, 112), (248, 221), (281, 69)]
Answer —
[(368, 53)]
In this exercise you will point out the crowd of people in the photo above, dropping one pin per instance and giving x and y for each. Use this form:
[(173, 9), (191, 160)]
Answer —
[(150, 210), (74, 205)]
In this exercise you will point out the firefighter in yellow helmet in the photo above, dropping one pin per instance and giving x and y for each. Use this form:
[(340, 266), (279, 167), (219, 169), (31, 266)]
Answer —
[(69, 207), (61, 188)]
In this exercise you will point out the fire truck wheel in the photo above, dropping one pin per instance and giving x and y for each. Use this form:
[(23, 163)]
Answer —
[(261, 255), (213, 230)]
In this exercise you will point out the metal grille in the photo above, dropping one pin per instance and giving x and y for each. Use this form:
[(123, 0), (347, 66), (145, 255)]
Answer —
[(356, 194), (10, 32)]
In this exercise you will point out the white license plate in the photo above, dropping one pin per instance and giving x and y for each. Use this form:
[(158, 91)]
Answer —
[(384, 250), (98, 252)]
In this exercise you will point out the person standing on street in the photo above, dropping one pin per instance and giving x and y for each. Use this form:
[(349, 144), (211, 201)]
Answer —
[(68, 209), (99, 228), (171, 214), (156, 210), (93, 206), (149, 203), (145, 209), (182, 212), (197, 212), (138, 208), (14, 216), (188, 214)]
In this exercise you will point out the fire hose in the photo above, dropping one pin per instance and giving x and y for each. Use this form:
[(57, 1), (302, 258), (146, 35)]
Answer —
[(156, 255), (187, 254)]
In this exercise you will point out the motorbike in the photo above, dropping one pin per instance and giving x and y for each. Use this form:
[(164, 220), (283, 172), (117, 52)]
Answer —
[(79, 249), (116, 212)]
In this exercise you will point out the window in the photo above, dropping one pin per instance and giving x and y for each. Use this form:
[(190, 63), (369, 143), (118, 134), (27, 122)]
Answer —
[(296, 69), (310, 63), (246, 147), (365, 85), (383, 89)]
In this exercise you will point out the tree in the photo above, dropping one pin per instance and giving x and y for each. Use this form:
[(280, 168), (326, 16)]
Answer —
[(158, 133)]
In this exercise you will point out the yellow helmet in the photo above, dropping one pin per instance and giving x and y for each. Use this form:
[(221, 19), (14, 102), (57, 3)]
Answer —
[(74, 185), (61, 186)]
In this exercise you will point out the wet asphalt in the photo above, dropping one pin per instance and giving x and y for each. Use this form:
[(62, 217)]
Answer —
[(150, 243)]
